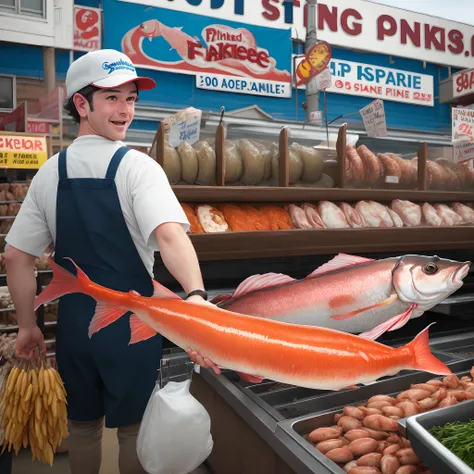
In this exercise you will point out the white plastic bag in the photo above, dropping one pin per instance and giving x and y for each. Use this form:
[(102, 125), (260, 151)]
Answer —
[(175, 433)]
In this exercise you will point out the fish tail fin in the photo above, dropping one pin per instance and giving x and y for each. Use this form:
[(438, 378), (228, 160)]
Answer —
[(424, 359), (63, 283)]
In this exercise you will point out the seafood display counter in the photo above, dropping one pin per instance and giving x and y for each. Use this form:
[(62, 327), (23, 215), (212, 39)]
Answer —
[(265, 428)]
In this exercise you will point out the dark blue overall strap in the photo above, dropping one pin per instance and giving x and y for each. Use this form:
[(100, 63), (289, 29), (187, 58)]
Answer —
[(115, 162), (62, 169)]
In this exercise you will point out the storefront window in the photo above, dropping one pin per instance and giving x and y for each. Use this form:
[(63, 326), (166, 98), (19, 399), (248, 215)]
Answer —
[(7, 92), (24, 7), (9, 5)]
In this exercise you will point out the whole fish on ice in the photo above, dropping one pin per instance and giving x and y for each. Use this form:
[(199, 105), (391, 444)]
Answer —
[(351, 294), (256, 348)]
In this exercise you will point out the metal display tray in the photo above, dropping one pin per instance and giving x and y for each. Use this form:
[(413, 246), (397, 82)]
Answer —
[(458, 345), (433, 454), (284, 402), (459, 306), (323, 416)]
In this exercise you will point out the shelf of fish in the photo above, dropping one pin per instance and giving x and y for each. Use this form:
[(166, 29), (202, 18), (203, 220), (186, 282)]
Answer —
[(249, 159), (236, 230)]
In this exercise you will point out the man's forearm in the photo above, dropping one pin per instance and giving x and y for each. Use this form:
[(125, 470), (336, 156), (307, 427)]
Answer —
[(21, 283), (180, 259)]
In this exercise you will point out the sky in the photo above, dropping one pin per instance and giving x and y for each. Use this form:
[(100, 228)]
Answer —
[(457, 10)]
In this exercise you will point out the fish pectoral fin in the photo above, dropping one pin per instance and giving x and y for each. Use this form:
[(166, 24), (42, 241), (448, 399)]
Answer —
[(342, 317), (402, 321), (140, 330), (105, 314), (161, 292), (250, 378), (393, 323), (259, 282), (340, 261)]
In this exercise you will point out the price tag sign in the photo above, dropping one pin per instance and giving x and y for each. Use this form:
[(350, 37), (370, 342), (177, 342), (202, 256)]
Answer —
[(185, 131), (184, 126), (374, 119), (324, 80), (463, 124), (463, 151), (316, 118)]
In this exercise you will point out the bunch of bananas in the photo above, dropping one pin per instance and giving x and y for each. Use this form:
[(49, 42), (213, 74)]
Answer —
[(33, 402)]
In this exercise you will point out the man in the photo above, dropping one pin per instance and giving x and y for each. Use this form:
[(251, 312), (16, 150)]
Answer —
[(108, 208)]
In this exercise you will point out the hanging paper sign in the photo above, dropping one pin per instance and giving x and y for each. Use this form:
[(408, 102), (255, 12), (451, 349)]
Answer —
[(316, 61), (184, 126), (374, 119), (324, 80), (463, 123)]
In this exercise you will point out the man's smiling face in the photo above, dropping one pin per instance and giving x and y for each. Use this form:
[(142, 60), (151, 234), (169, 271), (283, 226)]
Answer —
[(111, 113)]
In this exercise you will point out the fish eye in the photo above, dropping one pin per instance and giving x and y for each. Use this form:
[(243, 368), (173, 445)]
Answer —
[(143, 26), (430, 269)]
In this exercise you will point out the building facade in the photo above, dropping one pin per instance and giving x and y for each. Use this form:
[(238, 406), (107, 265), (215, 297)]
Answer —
[(241, 54)]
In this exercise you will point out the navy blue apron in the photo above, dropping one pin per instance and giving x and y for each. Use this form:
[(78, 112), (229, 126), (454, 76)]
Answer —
[(103, 375)]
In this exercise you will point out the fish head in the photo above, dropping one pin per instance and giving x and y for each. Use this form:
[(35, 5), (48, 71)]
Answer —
[(150, 29), (426, 281)]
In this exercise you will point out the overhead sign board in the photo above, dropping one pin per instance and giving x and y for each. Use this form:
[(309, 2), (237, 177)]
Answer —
[(355, 24)]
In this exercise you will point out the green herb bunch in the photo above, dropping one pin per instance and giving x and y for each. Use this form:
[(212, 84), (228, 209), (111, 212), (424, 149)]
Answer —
[(458, 437)]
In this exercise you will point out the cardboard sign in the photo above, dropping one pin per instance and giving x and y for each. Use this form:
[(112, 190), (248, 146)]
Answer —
[(23, 152), (374, 119)]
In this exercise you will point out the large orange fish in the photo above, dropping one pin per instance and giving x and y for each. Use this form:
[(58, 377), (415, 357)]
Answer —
[(256, 348)]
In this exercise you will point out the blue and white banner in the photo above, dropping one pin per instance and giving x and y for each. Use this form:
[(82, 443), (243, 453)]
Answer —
[(368, 80)]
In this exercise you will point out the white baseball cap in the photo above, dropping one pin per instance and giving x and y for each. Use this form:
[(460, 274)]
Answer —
[(105, 68)]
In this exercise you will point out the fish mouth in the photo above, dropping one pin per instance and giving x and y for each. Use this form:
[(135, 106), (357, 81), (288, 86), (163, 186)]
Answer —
[(461, 273)]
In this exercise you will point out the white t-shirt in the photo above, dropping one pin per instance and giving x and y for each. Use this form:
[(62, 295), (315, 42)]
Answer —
[(144, 192)]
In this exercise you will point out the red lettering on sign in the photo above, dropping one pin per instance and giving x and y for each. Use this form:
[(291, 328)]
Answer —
[(382, 29), (193, 50), (20, 144), (327, 17), (354, 29), (221, 51), (457, 43), (272, 12), (465, 82), (406, 32), (435, 36)]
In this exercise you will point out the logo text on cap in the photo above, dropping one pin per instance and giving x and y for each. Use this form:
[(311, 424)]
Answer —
[(118, 65)]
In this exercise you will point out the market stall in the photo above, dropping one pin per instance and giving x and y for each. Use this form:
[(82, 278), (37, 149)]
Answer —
[(264, 427)]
